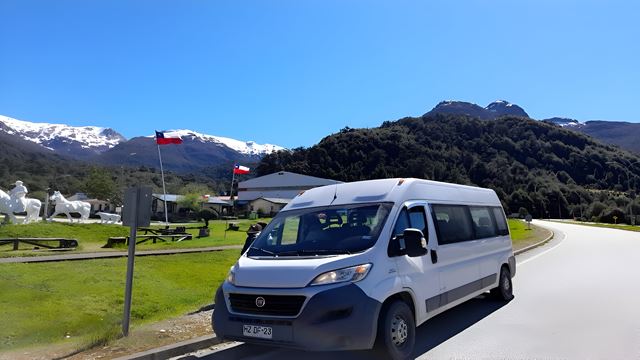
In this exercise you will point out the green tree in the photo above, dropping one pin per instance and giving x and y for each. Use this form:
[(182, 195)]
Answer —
[(100, 185), (191, 201)]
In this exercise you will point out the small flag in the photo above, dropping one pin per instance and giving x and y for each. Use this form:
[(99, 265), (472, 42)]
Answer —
[(166, 138), (239, 169)]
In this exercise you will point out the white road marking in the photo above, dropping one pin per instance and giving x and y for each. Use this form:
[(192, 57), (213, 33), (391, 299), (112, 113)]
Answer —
[(544, 252)]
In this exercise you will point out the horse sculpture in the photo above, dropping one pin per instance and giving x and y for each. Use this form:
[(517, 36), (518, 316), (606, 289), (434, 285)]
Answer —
[(9, 205), (64, 206)]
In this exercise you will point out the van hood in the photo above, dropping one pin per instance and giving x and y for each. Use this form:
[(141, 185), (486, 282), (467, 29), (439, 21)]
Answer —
[(289, 272)]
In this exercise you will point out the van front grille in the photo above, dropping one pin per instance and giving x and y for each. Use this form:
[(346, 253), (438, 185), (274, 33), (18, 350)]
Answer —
[(277, 305)]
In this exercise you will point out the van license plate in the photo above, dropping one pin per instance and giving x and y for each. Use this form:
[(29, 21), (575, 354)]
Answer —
[(263, 332)]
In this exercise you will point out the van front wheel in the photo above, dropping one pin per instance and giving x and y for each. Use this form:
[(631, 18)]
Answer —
[(397, 331), (504, 291)]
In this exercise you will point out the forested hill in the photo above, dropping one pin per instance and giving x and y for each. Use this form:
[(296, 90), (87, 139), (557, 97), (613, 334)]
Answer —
[(545, 169)]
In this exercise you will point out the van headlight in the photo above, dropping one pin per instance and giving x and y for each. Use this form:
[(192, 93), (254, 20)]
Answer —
[(350, 274), (231, 277)]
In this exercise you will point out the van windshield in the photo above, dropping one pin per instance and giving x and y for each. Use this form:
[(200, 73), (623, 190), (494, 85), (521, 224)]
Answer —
[(331, 230)]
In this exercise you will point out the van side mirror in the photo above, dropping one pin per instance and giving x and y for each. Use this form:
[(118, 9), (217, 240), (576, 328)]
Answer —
[(415, 243)]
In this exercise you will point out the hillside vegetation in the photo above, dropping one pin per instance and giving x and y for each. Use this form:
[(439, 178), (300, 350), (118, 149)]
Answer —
[(533, 166)]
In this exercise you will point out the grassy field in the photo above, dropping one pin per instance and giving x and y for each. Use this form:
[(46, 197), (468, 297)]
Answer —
[(80, 302), (603, 225), (522, 237), (92, 237)]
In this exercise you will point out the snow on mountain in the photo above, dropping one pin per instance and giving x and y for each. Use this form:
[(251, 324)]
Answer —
[(59, 136), (564, 122), (503, 107), (243, 147)]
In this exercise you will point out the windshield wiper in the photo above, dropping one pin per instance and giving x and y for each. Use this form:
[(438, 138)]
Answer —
[(264, 251)]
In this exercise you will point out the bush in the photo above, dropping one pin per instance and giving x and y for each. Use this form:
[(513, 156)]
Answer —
[(522, 212)]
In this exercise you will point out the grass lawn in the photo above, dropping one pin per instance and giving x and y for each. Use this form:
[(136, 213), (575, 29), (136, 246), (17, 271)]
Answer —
[(603, 225), (92, 237), (81, 302), (522, 237)]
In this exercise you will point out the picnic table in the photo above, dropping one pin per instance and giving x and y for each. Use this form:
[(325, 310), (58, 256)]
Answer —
[(42, 242), (153, 234)]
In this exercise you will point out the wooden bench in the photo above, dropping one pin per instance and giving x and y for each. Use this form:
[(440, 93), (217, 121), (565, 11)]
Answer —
[(42, 242), (112, 241)]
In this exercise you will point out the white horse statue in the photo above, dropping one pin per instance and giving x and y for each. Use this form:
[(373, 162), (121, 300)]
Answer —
[(17, 202), (64, 206)]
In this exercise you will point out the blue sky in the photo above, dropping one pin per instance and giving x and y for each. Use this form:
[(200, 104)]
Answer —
[(292, 72)]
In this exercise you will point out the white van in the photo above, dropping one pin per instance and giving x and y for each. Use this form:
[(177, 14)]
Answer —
[(359, 264)]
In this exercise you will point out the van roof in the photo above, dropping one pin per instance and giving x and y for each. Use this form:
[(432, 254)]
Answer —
[(393, 190)]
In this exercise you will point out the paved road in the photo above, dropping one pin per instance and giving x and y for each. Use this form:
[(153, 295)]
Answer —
[(578, 297), (110, 254)]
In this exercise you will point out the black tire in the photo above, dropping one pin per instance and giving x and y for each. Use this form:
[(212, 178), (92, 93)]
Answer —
[(396, 332), (504, 291)]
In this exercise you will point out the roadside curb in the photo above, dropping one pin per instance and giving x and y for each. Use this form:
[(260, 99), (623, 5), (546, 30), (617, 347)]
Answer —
[(530, 247), (176, 349)]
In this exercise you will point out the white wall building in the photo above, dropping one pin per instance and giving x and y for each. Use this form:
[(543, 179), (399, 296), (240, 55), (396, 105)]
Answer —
[(280, 185)]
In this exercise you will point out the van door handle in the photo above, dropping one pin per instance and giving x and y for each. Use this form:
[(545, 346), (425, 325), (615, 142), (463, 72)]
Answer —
[(434, 256)]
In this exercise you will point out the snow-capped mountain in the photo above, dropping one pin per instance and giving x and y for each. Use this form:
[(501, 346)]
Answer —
[(242, 147), (105, 145), (75, 141), (197, 151)]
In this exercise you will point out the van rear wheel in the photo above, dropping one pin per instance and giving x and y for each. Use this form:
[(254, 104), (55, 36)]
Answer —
[(504, 291), (397, 331)]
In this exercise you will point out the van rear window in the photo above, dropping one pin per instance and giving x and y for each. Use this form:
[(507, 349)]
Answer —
[(456, 223), (501, 222)]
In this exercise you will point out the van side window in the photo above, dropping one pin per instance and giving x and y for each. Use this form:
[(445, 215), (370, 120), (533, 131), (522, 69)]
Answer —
[(483, 223), (453, 223), (501, 222)]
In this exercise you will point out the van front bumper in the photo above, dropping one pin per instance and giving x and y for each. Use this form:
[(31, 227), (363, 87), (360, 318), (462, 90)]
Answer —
[(339, 318)]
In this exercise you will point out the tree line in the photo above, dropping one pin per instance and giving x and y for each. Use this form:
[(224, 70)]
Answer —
[(534, 167)]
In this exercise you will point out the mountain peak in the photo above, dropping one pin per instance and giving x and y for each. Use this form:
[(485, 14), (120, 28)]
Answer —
[(74, 140), (503, 107), (495, 109)]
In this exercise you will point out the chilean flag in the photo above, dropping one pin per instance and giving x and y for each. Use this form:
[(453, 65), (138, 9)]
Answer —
[(166, 138), (239, 169)]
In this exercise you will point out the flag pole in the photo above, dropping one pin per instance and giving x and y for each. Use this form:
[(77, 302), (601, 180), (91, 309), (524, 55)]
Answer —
[(233, 178), (164, 190)]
